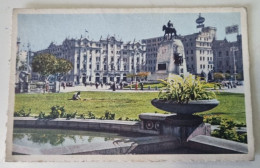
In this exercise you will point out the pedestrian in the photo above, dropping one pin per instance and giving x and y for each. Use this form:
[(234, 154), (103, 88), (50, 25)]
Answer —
[(85, 83), (96, 85), (136, 86), (121, 85), (101, 85), (142, 85), (47, 86), (114, 86)]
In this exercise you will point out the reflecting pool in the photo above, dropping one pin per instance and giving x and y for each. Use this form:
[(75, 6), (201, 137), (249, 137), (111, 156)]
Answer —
[(49, 138)]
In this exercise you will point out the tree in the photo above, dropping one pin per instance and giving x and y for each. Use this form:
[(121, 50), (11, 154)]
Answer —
[(63, 66), (143, 75), (219, 76), (227, 76), (46, 64)]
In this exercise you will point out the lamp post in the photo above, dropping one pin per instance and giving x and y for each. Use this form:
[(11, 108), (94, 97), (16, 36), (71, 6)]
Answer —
[(234, 49)]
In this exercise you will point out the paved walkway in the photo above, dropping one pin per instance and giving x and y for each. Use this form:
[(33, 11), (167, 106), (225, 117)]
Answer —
[(238, 89), (104, 89)]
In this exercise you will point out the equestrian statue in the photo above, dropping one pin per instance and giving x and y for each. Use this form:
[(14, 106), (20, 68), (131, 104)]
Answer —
[(169, 30)]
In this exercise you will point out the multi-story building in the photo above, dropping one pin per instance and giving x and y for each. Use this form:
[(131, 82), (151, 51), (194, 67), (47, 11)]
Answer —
[(228, 56), (199, 53), (106, 60), (152, 45)]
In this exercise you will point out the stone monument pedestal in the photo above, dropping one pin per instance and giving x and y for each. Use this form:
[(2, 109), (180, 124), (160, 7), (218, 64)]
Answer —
[(182, 126)]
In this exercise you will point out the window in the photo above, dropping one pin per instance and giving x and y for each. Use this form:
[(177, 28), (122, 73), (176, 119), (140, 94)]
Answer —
[(203, 66), (112, 58), (118, 67), (90, 59), (97, 67), (89, 66), (219, 53), (78, 66), (105, 67), (200, 66), (132, 67), (191, 51), (227, 53), (85, 57), (84, 67), (124, 67)]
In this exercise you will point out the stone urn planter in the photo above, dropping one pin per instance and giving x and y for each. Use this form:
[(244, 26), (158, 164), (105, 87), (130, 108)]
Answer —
[(189, 108)]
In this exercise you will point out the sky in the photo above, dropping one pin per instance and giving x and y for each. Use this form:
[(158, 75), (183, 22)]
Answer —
[(41, 29)]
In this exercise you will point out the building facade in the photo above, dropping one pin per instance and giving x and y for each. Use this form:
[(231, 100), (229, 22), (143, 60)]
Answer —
[(199, 53), (106, 60), (228, 56), (152, 45)]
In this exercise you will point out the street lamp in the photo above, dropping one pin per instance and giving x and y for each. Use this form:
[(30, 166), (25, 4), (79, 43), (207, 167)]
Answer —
[(234, 49)]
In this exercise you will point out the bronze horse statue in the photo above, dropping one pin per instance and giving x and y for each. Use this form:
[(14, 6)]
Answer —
[(169, 31)]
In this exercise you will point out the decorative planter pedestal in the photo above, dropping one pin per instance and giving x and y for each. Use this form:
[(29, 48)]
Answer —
[(182, 124)]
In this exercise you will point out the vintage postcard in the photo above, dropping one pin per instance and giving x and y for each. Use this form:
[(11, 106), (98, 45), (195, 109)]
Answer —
[(139, 85)]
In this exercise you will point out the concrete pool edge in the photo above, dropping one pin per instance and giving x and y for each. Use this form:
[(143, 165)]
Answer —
[(83, 124)]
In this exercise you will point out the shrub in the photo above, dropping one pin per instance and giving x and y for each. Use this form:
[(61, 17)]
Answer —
[(109, 115), (42, 115), (120, 118), (82, 116), (227, 130), (91, 115), (183, 90), (22, 113), (57, 112), (213, 120), (73, 115)]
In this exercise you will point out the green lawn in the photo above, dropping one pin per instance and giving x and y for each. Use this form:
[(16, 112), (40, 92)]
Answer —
[(122, 104)]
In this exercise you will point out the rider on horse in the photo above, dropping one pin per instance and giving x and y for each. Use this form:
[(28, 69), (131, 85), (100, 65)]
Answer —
[(169, 24)]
